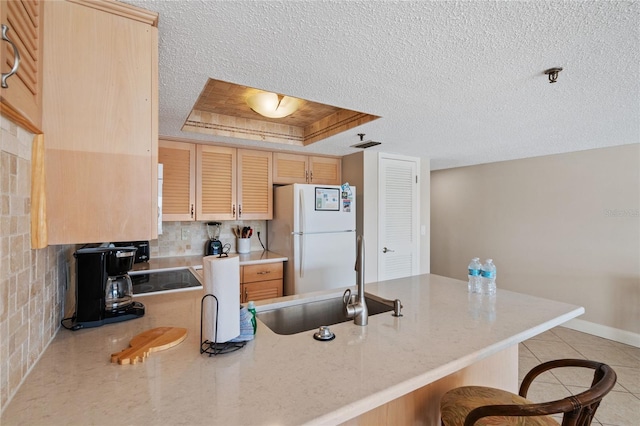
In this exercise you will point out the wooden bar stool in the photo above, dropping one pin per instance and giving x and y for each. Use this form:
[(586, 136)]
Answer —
[(484, 406)]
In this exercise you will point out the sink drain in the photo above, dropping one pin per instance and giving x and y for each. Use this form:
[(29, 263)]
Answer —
[(324, 334)]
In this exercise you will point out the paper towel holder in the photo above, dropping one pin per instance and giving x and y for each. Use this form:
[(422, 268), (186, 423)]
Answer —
[(214, 348)]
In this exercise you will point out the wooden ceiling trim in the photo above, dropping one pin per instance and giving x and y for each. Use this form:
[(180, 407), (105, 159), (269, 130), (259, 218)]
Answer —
[(338, 122), (222, 110), (236, 127)]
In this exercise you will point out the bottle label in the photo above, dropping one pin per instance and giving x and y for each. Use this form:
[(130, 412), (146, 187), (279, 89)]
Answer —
[(474, 272), (489, 274)]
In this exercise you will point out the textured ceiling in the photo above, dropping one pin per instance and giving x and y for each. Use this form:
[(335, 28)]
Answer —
[(458, 82)]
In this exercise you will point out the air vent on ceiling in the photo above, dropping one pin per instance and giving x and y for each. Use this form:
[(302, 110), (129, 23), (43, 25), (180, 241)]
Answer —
[(365, 144)]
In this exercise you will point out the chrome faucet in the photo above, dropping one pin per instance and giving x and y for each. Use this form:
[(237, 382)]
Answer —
[(358, 310)]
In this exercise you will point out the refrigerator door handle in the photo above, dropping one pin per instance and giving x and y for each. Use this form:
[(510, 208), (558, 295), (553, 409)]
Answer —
[(301, 255), (303, 221)]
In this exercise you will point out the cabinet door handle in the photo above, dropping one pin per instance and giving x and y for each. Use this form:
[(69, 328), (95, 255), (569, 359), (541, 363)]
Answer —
[(192, 211), (311, 175), (246, 295), (264, 272), (306, 175), (16, 57), (239, 210), (233, 210)]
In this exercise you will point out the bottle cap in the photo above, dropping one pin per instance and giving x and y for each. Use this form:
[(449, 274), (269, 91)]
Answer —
[(251, 305)]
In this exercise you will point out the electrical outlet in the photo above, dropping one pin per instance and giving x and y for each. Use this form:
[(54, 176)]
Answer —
[(186, 234), (258, 228)]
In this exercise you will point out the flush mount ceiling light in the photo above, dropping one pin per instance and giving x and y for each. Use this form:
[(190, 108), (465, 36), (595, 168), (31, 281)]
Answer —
[(553, 74), (272, 105)]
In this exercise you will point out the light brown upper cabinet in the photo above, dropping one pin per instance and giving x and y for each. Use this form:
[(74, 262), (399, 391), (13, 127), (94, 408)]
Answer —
[(100, 121), (22, 98), (178, 161), (216, 183), (295, 168), (255, 185), (233, 184), (227, 183)]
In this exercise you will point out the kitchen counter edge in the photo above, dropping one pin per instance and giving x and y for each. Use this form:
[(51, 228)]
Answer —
[(183, 262)]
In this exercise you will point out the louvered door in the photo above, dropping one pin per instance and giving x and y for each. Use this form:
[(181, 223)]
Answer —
[(23, 96), (398, 238), (325, 170), (216, 183), (255, 185), (290, 168), (178, 183), (294, 168)]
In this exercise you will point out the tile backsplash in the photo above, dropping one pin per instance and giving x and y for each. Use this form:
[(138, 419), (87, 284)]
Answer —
[(189, 238), (32, 282)]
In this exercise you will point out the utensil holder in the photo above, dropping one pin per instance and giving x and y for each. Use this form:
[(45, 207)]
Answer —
[(243, 245)]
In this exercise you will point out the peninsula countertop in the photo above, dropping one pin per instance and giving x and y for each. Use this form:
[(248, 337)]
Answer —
[(275, 379)]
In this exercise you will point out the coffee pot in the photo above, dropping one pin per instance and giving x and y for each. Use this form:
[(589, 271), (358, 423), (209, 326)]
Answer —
[(104, 292)]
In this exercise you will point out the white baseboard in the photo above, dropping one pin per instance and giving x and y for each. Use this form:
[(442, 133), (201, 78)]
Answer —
[(615, 334)]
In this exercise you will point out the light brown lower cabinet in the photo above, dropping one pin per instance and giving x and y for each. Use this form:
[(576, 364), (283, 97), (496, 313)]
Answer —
[(260, 281)]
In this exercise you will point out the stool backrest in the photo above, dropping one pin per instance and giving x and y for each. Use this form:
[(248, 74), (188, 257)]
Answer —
[(578, 409)]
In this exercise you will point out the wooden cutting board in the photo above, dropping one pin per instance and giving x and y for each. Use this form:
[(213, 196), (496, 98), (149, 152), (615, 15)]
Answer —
[(156, 339)]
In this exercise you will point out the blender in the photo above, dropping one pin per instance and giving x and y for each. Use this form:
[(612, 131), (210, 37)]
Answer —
[(213, 246)]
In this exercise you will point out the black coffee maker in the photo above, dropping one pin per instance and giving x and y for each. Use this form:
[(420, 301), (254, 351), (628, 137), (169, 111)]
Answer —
[(104, 292)]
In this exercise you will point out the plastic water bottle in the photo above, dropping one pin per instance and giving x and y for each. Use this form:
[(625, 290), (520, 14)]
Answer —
[(474, 275), (251, 307), (488, 273)]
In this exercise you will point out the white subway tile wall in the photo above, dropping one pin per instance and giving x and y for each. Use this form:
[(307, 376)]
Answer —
[(32, 282)]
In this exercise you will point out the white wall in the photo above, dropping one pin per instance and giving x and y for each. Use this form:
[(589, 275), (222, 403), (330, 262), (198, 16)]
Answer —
[(564, 227), (361, 170)]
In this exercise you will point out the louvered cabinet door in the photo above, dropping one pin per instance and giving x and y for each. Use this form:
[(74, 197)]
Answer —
[(23, 96), (216, 183), (325, 170), (290, 168), (178, 181), (255, 185)]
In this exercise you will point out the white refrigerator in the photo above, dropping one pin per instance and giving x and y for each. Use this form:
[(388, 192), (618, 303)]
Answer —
[(315, 227)]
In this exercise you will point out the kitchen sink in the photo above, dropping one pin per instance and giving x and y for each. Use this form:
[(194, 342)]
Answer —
[(311, 315)]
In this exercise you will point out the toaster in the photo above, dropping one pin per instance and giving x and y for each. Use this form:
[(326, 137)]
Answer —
[(142, 253)]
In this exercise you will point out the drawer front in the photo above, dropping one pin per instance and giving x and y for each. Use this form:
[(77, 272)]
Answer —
[(261, 272), (261, 290)]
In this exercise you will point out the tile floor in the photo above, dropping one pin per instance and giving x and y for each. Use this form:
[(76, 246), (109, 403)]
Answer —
[(621, 407)]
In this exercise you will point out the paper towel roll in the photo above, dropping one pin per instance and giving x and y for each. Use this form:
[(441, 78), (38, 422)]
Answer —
[(222, 279)]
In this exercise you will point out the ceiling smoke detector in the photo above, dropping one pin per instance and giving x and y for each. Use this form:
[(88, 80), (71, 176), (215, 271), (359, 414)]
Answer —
[(365, 144)]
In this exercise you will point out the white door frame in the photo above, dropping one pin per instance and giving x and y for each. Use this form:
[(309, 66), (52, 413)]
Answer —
[(414, 248)]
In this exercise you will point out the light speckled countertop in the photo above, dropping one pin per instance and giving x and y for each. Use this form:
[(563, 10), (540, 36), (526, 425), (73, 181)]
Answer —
[(275, 379), (177, 262)]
